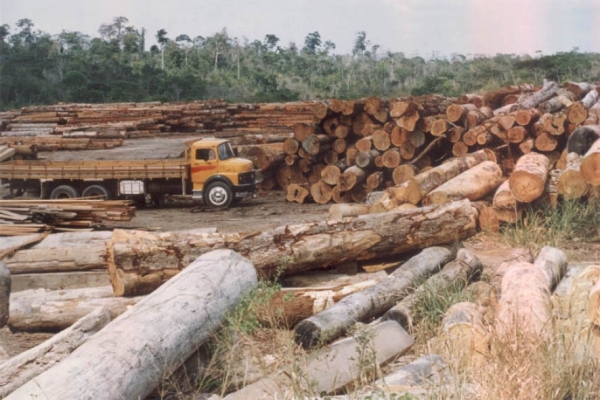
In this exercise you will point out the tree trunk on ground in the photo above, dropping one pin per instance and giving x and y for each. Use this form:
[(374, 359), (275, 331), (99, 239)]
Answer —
[(334, 367), (29, 364), (528, 180), (126, 359), (472, 184), (503, 198), (372, 302), (51, 311), (139, 261), (525, 298), (457, 272)]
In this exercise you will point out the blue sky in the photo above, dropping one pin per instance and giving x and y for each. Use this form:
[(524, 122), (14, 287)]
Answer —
[(414, 27)]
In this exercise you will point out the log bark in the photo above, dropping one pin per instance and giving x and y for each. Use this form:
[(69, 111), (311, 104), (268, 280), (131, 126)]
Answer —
[(126, 359), (456, 273), (503, 198), (372, 302), (418, 375), (52, 311), (472, 184), (590, 166), (528, 180), (31, 363)]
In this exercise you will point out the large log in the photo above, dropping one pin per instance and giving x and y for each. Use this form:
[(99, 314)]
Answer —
[(528, 180), (139, 261), (29, 364), (333, 367), (42, 310), (571, 184), (472, 184), (372, 302), (126, 359), (525, 304)]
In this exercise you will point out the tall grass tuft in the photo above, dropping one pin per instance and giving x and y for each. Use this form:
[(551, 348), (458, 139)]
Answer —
[(571, 220)]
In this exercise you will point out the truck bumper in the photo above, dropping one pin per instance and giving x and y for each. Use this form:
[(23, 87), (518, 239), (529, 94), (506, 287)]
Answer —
[(247, 190)]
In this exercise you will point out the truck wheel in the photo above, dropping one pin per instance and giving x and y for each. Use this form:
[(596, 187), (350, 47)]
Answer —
[(218, 195), (64, 192), (96, 191)]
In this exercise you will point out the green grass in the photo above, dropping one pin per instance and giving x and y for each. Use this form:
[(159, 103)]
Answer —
[(571, 220)]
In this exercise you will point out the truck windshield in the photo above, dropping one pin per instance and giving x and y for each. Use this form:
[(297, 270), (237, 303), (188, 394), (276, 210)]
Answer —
[(225, 151)]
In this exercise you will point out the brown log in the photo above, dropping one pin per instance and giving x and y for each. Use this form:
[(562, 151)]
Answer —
[(571, 184), (439, 127), (546, 142), (344, 107), (528, 180), (579, 89), (476, 117), (391, 158), (371, 302), (399, 136), (331, 174), (330, 125), (359, 193), (527, 116), (364, 144), (291, 146), (457, 112), (291, 159), (339, 145), (475, 99), (338, 196), (351, 153), (303, 130), (460, 149), (472, 184), (296, 193), (493, 99), (516, 134), (305, 165), (381, 140), (351, 177), (341, 132), (375, 180), (409, 120), (400, 107), (407, 150), (590, 166), (507, 121), (362, 118), (339, 211), (314, 175), (289, 174), (320, 111), (140, 261), (321, 192), (403, 173)]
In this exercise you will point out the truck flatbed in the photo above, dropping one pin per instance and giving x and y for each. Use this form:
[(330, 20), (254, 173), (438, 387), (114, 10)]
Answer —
[(97, 169)]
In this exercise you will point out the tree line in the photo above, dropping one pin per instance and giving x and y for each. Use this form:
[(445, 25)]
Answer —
[(40, 68)]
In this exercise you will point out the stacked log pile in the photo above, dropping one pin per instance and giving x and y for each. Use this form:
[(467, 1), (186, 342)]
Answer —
[(93, 126), (21, 217)]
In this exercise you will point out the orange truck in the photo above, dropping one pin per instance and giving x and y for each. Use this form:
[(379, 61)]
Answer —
[(210, 171)]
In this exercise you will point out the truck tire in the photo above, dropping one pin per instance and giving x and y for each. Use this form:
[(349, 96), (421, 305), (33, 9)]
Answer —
[(218, 195), (64, 192), (96, 190)]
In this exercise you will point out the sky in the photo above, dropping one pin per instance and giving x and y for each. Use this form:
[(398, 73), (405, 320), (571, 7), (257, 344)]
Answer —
[(427, 28)]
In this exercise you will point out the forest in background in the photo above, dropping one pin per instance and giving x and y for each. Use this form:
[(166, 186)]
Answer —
[(40, 68)]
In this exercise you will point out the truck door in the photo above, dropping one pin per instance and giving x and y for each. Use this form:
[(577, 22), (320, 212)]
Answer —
[(203, 165)]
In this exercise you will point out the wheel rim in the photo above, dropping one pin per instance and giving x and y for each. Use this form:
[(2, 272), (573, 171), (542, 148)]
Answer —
[(218, 196)]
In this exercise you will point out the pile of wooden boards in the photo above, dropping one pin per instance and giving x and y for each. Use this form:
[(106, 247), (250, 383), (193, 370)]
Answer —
[(97, 126), (21, 217)]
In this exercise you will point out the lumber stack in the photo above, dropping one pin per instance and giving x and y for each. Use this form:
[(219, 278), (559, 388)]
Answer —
[(29, 216)]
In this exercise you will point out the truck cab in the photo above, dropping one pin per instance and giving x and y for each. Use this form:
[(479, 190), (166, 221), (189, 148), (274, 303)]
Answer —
[(218, 176)]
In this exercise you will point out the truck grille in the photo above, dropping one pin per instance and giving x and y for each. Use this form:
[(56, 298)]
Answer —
[(247, 177)]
